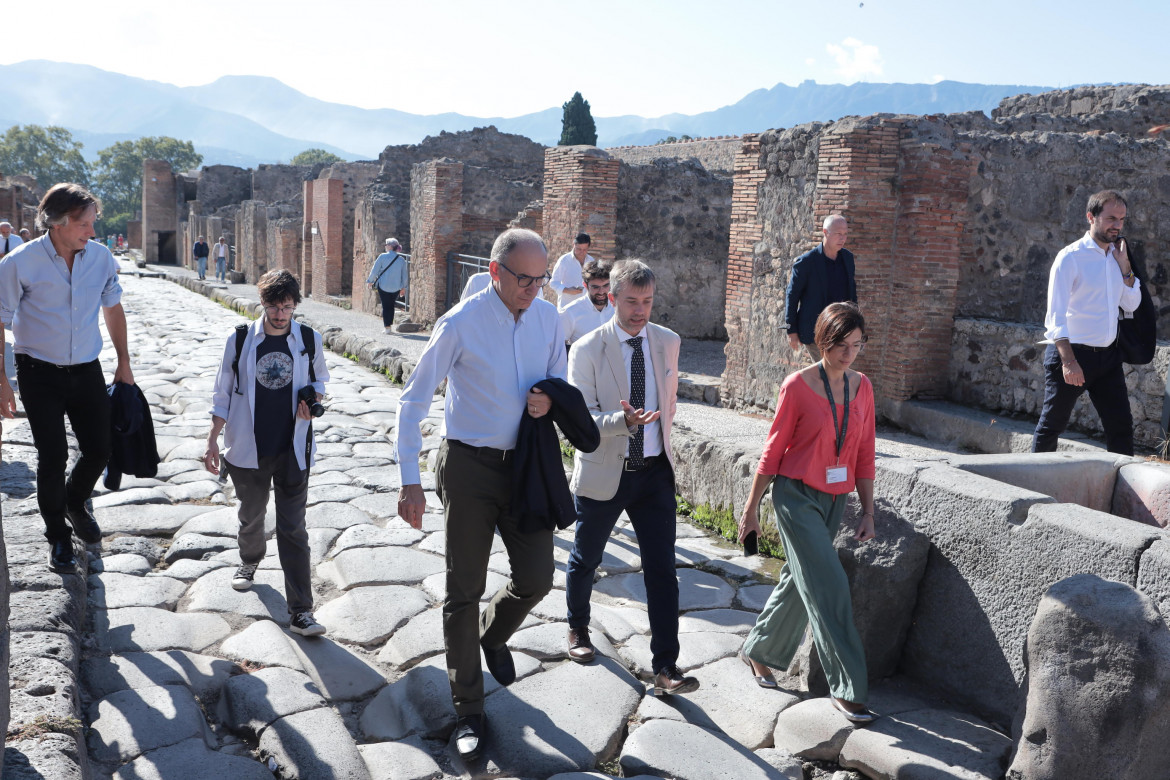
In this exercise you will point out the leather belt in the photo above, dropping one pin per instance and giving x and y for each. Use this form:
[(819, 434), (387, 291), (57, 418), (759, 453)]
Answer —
[(487, 453), (647, 462), (28, 361)]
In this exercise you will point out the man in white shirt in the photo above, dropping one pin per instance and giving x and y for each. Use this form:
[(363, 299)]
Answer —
[(566, 276), (8, 239), (491, 348), (589, 312), (475, 283), (1089, 281)]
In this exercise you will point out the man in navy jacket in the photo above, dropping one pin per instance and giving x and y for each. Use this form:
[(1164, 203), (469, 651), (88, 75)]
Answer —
[(821, 276)]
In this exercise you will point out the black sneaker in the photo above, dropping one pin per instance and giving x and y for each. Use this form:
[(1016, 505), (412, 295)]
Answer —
[(244, 576), (61, 557), (85, 526), (305, 624)]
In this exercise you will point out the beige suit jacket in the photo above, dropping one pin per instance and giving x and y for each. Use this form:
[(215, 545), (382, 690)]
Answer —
[(598, 370)]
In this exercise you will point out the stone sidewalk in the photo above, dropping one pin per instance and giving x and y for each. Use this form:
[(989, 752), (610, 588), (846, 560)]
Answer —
[(181, 676)]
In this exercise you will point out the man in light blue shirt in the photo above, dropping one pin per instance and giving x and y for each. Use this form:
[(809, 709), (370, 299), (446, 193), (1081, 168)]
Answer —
[(491, 348), (390, 275), (51, 289)]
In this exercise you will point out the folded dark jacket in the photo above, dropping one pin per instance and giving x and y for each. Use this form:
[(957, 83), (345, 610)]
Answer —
[(133, 448)]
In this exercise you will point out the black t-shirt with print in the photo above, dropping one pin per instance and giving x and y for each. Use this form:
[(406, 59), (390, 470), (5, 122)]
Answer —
[(274, 419)]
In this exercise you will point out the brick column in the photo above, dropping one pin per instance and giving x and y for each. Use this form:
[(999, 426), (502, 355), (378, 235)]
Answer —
[(158, 207), (436, 228), (306, 259), (327, 243), (746, 232), (580, 195)]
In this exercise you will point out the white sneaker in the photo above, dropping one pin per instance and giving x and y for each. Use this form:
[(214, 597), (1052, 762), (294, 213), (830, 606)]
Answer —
[(388, 329), (244, 576), (305, 624)]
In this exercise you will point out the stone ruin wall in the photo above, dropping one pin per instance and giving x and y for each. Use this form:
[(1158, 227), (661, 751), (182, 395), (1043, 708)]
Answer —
[(19, 196), (715, 154), (490, 203)]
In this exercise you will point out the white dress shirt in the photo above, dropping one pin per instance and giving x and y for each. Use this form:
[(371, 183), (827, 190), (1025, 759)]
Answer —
[(475, 283), (1085, 289), (651, 432), (7, 244), (581, 317), (567, 273), (490, 361)]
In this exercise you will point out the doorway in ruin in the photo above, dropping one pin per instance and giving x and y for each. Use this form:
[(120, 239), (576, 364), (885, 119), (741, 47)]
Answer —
[(167, 250)]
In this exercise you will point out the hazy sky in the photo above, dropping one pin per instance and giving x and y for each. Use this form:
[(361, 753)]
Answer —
[(647, 57)]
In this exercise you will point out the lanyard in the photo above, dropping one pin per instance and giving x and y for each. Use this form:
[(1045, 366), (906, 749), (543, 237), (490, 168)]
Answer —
[(840, 432)]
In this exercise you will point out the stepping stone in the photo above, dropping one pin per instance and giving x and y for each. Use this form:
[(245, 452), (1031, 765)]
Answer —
[(339, 673), (732, 621), (213, 592), (754, 597), (130, 723), (422, 636), (203, 489), (148, 629), (437, 543), (112, 590), (335, 493), (667, 748), (552, 606), (696, 589), (743, 710), (327, 478), (130, 497), (135, 545), (384, 479), (312, 745), (696, 649), (812, 729), (380, 566), (196, 546), (334, 515), (374, 450), (253, 701), (168, 470), (122, 563), (538, 730), (224, 522), (188, 570), (619, 623), (151, 520), (550, 642), (203, 674), (436, 585), (263, 643), (191, 760), (373, 536), (379, 506), (408, 759), (189, 450), (368, 615)]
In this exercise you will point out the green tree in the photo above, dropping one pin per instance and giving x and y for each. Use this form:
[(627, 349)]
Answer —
[(118, 175), (314, 156), (577, 125), (48, 154)]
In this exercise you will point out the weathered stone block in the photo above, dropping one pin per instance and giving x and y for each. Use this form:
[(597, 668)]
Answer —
[(1143, 493), (1085, 479)]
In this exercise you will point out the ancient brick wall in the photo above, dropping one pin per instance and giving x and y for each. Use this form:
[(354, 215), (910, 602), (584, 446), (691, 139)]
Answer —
[(251, 241), (580, 194), (676, 216), (307, 235), (374, 222), (531, 217), (714, 154), (134, 233), (436, 223), (158, 207), (284, 243), (326, 229), (223, 185), (355, 178)]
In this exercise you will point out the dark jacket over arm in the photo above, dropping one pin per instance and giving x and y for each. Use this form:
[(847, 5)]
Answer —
[(134, 450), (540, 491)]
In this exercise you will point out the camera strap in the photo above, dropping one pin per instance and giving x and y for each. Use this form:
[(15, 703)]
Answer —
[(309, 348)]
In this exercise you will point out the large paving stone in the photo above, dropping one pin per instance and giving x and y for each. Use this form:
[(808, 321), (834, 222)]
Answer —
[(130, 723), (1143, 493), (312, 745), (151, 520), (135, 545), (112, 590), (46, 610), (407, 759), (335, 493), (339, 673), (148, 629), (680, 750), (380, 566), (374, 536), (536, 730), (334, 515), (929, 743), (253, 701), (264, 643), (191, 760), (753, 597), (379, 506), (368, 615), (196, 546), (189, 570), (130, 497), (696, 649), (420, 637), (123, 563), (436, 585), (743, 710), (213, 592), (196, 490), (47, 757), (203, 674), (812, 729), (731, 621), (619, 623), (549, 641), (696, 589), (789, 767), (224, 522)]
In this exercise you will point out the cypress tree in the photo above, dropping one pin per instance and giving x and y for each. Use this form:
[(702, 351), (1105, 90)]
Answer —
[(577, 125)]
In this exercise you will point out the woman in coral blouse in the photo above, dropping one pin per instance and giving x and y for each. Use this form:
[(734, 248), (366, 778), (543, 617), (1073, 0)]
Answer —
[(820, 448)]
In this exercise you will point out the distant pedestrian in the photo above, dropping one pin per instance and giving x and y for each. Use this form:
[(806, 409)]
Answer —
[(268, 439), (821, 276), (25, 235), (390, 276), (221, 258), (110, 242), (567, 279), (1090, 281), (590, 311), (201, 250), (8, 239), (121, 242), (475, 283), (51, 290)]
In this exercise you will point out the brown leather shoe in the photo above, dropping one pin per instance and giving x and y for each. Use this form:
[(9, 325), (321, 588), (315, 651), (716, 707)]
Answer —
[(670, 681), (580, 648)]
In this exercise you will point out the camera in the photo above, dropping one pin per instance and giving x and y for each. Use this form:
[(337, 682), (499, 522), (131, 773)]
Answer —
[(308, 394)]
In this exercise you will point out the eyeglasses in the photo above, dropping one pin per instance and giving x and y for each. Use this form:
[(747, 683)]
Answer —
[(846, 347), (280, 309), (524, 280)]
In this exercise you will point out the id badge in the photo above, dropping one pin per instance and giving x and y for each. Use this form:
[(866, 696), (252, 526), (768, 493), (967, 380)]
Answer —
[(835, 474)]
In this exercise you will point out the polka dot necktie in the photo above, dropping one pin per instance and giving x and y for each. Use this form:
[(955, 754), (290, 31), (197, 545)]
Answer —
[(637, 398)]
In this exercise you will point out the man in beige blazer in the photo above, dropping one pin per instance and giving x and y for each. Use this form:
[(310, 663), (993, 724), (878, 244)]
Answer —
[(627, 370)]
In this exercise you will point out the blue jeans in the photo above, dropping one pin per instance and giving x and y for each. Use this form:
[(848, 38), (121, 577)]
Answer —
[(648, 498), (202, 262), (1105, 381), (221, 268)]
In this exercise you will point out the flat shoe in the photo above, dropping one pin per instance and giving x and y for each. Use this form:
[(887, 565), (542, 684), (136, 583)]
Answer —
[(762, 680), (864, 716)]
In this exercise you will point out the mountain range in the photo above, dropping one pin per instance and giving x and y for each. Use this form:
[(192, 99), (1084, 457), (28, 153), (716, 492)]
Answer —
[(247, 120)]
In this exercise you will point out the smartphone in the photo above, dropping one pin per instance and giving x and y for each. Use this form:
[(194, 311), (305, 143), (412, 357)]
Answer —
[(751, 545)]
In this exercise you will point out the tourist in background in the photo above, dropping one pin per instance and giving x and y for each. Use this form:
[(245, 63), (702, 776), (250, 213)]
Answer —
[(390, 276), (820, 448), (591, 311), (221, 257), (201, 250), (567, 277), (820, 276), (8, 239)]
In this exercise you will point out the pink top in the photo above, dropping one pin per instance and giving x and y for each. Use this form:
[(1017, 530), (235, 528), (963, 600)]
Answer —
[(802, 442)]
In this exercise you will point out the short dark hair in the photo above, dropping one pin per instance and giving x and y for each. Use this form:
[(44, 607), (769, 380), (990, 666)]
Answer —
[(582, 238), (277, 286), (594, 270), (633, 273), (836, 322), (63, 201), (1099, 200)]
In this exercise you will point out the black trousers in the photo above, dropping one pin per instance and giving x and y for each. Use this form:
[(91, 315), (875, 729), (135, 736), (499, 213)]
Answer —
[(50, 393), (1105, 381), (389, 300)]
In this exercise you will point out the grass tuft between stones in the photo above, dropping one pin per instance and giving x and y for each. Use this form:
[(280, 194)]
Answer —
[(45, 724), (724, 522)]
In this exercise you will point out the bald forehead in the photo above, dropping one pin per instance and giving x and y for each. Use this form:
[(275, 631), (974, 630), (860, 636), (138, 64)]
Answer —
[(835, 221)]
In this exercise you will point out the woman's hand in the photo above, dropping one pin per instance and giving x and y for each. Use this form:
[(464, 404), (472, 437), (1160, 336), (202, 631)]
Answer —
[(749, 522), (865, 530)]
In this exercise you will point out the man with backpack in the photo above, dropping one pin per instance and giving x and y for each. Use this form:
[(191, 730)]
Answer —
[(389, 275), (269, 373)]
